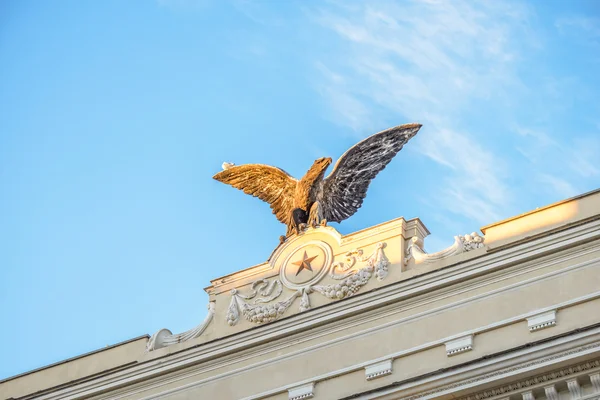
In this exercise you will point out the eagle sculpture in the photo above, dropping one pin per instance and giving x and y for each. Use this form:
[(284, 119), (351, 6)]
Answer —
[(314, 200)]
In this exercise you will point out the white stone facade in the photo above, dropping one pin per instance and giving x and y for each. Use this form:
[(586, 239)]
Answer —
[(511, 313)]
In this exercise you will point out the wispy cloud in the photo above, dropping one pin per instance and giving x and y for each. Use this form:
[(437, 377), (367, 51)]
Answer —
[(585, 30), (579, 24), (506, 114), (575, 158), (558, 185), (429, 61)]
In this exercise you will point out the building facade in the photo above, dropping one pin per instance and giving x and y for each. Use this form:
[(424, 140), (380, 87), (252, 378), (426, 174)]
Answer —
[(512, 312)]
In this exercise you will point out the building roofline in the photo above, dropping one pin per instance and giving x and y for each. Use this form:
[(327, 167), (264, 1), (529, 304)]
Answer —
[(539, 209), (146, 336)]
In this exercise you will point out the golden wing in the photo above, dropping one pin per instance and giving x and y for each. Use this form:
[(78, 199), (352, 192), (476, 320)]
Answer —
[(270, 184)]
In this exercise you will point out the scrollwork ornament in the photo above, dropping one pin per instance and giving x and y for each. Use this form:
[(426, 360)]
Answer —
[(462, 244), (266, 290), (351, 257), (352, 281)]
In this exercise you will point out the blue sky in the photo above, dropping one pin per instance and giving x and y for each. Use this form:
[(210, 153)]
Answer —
[(115, 115)]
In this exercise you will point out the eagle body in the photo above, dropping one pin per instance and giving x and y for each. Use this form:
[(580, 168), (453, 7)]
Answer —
[(314, 198)]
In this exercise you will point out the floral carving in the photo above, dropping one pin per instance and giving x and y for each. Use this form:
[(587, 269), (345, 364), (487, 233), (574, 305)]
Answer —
[(351, 280), (304, 301), (259, 314), (471, 242), (268, 312), (348, 286), (233, 313), (377, 264), (256, 313)]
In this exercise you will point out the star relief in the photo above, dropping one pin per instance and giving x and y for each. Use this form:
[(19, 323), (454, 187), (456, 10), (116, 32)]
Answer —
[(304, 263)]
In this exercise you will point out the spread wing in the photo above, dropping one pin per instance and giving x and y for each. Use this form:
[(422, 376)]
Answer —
[(270, 184), (346, 186)]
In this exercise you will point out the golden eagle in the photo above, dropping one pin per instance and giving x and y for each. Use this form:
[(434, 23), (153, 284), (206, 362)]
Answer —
[(313, 200)]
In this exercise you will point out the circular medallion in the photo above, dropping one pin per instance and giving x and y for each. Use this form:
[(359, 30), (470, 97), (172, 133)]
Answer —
[(306, 265)]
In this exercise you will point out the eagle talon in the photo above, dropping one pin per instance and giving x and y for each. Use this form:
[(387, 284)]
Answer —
[(282, 239), (323, 222)]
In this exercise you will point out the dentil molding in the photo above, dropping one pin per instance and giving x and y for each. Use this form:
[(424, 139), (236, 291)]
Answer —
[(378, 370), (540, 321), (302, 392)]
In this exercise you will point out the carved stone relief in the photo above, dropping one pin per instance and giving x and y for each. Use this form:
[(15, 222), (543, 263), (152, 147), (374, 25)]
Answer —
[(351, 280), (164, 337), (462, 244)]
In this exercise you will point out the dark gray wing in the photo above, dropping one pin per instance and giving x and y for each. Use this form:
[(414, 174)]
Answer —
[(346, 186), (270, 184)]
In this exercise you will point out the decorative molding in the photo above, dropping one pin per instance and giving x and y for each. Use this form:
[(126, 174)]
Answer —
[(305, 301), (459, 345), (541, 321), (366, 333), (306, 391), (472, 241), (168, 370), (351, 257), (376, 265), (551, 393), (430, 345), (528, 395), (462, 244), (589, 297), (595, 379), (574, 389), (531, 381), (378, 260), (378, 370), (347, 287), (164, 337), (327, 253), (259, 314)]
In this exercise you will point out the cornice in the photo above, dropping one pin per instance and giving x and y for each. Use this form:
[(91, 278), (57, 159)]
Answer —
[(537, 381), (523, 384), (355, 307), (547, 353), (366, 333)]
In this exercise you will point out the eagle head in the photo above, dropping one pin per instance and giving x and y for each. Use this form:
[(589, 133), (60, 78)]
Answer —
[(323, 163), (317, 170)]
